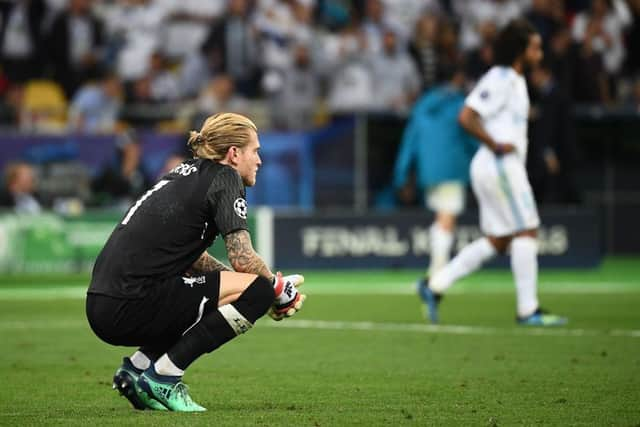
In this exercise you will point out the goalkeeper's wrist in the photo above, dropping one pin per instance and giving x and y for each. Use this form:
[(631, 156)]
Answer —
[(278, 287)]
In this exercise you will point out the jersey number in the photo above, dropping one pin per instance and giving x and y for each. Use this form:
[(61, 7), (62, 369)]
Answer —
[(144, 197)]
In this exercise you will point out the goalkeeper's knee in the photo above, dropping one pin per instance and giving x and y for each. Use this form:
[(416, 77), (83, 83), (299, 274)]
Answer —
[(254, 302)]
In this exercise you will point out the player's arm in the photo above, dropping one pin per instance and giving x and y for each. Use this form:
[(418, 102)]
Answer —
[(207, 264), (471, 121), (243, 257), (226, 195)]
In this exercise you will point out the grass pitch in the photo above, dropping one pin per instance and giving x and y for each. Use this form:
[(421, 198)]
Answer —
[(359, 353)]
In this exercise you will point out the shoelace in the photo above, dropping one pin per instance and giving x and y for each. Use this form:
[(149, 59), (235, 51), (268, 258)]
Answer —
[(182, 390)]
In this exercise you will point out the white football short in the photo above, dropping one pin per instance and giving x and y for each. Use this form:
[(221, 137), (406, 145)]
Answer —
[(447, 197), (504, 194)]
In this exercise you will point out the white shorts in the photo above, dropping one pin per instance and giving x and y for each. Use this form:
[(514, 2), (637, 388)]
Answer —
[(447, 197), (504, 194)]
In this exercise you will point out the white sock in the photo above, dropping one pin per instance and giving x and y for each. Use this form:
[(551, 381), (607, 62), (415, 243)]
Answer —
[(440, 242), (140, 360), (468, 260), (164, 366), (524, 264)]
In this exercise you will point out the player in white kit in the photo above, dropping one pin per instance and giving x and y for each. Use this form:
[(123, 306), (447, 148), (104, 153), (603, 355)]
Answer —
[(496, 113)]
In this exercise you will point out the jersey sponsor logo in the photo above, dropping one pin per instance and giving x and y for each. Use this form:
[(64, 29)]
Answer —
[(184, 169), (240, 207), (195, 280)]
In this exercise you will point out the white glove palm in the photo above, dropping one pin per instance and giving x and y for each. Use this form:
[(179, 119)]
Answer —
[(288, 300)]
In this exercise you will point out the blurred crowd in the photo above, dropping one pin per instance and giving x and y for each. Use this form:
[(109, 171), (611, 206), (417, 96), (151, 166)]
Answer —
[(106, 67), (95, 66)]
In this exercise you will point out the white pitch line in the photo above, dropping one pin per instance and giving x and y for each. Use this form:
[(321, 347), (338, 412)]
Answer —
[(450, 329), (366, 326), (45, 293), (545, 287)]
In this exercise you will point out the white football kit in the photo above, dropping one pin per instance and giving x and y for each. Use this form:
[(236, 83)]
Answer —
[(500, 183)]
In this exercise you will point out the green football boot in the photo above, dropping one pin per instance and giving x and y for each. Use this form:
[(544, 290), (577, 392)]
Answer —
[(125, 381), (171, 391)]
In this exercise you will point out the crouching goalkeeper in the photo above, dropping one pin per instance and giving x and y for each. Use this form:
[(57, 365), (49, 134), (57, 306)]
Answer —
[(154, 286)]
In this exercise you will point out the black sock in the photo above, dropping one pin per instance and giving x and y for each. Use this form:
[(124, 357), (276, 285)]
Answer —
[(215, 328), (153, 353)]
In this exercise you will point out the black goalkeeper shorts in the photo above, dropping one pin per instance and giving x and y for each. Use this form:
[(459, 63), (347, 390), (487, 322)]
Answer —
[(160, 318)]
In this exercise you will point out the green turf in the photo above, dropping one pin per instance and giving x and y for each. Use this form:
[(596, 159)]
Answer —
[(359, 354)]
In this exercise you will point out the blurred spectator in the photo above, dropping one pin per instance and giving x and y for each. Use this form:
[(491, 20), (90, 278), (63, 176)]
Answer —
[(587, 74), (21, 39), (577, 68), (231, 47), (480, 59), (293, 92), (188, 23), (475, 14), (75, 45), (552, 153), (136, 29), (123, 179), (19, 190), (542, 17), (561, 56), (303, 22), (374, 22), (404, 14), (351, 86), (158, 84), (423, 48), (332, 14), (632, 37), (274, 21), (55, 6), (96, 106), (220, 96), (600, 30), (449, 53), (395, 77)]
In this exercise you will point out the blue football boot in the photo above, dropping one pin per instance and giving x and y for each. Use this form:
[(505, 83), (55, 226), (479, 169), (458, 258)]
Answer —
[(125, 381), (430, 300), (541, 317)]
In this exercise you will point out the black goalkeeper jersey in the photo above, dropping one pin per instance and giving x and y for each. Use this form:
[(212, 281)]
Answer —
[(169, 227)]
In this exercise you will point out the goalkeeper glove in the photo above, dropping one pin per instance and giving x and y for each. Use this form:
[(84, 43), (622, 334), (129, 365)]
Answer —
[(288, 300)]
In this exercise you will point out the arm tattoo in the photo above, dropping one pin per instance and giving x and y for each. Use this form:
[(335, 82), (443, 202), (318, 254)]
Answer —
[(242, 256), (206, 264)]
